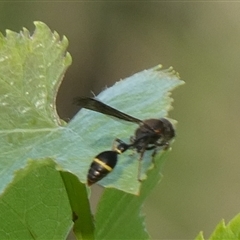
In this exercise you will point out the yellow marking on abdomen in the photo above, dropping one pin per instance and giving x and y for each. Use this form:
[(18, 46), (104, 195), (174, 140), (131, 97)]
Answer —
[(117, 150), (102, 164)]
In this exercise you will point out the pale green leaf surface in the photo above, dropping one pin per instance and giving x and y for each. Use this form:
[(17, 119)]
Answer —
[(231, 231), (144, 95)]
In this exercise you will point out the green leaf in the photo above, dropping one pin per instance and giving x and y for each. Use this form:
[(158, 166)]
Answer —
[(119, 214), (223, 231), (83, 222), (35, 205), (200, 236)]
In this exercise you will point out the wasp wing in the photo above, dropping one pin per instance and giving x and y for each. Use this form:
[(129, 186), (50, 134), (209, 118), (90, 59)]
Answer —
[(97, 106)]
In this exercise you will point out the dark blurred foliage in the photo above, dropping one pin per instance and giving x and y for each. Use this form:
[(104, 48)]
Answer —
[(112, 40)]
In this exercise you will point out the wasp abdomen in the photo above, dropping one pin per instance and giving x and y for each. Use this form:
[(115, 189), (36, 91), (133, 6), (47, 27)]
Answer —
[(102, 164)]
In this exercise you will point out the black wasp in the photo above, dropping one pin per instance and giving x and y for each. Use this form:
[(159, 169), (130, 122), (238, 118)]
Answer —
[(150, 134)]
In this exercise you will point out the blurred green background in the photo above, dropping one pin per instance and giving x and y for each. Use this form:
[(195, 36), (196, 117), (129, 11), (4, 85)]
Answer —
[(201, 40)]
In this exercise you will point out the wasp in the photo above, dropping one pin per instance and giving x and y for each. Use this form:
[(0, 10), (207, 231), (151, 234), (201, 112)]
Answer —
[(150, 135)]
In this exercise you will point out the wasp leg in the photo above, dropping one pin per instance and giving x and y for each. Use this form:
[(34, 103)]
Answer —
[(153, 155), (150, 148), (165, 145), (140, 164), (132, 139)]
